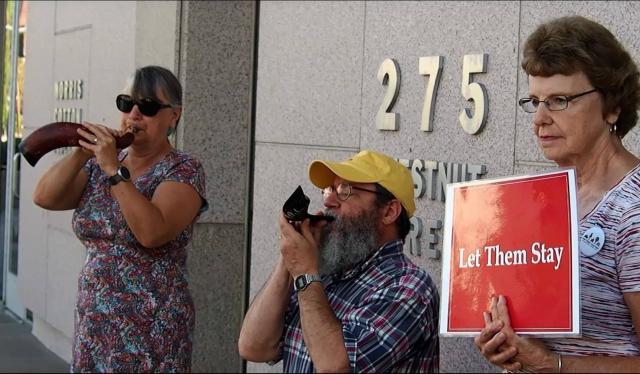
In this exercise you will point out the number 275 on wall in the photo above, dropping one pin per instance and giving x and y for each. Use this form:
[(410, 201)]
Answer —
[(472, 123)]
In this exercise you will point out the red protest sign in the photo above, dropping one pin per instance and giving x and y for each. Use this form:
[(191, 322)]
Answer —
[(515, 237)]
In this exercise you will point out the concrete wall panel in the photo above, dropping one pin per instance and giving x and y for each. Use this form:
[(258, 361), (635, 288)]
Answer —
[(32, 233), (155, 45), (310, 63), (65, 258)]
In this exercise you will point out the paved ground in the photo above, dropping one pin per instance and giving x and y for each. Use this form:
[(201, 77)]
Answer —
[(21, 352)]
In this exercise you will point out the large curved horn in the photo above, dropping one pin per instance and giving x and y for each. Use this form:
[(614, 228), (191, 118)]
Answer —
[(57, 135)]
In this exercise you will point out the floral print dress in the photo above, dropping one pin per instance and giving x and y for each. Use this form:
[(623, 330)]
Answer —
[(134, 312)]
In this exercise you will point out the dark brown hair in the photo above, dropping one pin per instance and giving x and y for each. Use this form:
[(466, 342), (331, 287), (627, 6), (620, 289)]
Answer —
[(574, 44)]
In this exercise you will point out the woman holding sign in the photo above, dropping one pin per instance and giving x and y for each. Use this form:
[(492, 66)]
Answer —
[(584, 94)]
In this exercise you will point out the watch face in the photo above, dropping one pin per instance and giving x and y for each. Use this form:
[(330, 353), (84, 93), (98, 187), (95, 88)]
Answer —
[(124, 172), (301, 282)]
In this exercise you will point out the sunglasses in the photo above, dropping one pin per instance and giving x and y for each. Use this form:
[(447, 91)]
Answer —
[(146, 106)]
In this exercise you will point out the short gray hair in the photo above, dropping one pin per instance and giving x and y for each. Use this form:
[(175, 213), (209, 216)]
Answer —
[(148, 80)]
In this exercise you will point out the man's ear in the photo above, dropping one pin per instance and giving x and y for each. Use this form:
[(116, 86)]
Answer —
[(391, 212)]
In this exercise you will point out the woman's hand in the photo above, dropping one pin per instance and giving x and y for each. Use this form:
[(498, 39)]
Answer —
[(100, 140), (492, 341), (499, 343)]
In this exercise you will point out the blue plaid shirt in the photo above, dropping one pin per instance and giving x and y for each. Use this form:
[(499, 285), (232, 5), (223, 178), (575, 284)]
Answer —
[(388, 308)]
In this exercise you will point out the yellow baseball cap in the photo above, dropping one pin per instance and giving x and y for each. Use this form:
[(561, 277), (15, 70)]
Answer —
[(368, 167)]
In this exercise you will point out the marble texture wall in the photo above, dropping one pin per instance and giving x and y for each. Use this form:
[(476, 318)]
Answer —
[(216, 65)]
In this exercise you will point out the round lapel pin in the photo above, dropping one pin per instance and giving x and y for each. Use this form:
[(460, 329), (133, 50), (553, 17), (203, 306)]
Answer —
[(592, 241)]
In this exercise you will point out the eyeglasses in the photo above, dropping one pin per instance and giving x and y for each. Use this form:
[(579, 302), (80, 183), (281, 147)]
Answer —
[(147, 106), (553, 103), (343, 191)]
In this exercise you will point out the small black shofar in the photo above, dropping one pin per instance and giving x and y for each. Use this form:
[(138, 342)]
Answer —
[(296, 206)]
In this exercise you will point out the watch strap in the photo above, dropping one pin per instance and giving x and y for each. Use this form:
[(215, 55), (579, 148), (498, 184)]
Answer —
[(120, 175), (115, 179), (302, 281)]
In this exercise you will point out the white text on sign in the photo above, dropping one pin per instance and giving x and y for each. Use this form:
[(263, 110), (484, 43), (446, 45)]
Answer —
[(494, 256)]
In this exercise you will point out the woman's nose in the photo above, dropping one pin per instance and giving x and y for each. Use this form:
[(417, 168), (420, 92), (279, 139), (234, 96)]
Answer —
[(542, 116), (135, 112)]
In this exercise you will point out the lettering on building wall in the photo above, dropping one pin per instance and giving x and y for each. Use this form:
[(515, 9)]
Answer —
[(472, 122), (67, 115), (67, 90), (412, 241), (430, 179), (388, 75)]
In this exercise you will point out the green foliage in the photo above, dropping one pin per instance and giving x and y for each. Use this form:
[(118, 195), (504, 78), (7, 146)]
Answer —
[(7, 74)]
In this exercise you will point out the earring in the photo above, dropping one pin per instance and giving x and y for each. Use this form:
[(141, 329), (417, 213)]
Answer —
[(170, 131), (613, 129)]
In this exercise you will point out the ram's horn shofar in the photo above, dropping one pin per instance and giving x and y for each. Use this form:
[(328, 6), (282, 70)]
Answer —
[(297, 205), (57, 135)]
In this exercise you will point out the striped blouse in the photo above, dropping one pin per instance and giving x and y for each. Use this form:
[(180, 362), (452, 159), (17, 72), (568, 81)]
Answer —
[(607, 328)]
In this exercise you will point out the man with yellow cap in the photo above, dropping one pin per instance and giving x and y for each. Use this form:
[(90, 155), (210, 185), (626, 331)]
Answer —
[(343, 297)]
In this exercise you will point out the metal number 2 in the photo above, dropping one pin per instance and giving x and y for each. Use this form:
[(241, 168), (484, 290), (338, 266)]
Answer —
[(431, 66), (388, 75), (475, 92)]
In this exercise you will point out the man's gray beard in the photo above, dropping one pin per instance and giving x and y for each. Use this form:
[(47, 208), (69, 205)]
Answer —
[(347, 241)]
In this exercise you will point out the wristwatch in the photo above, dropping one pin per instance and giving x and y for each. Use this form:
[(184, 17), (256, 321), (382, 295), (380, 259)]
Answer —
[(302, 281), (122, 174)]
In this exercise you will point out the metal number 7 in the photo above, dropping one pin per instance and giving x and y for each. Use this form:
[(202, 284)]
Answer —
[(431, 66)]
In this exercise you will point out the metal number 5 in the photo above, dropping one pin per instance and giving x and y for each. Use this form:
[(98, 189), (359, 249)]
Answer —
[(475, 92), (388, 75)]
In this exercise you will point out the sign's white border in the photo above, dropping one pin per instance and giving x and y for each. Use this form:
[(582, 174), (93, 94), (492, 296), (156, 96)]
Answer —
[(575, 253)]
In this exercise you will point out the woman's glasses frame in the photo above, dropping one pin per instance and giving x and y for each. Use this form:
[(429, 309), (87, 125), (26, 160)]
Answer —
[(553, 103)]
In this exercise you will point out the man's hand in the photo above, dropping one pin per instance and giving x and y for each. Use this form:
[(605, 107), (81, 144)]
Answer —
[(299, 246)]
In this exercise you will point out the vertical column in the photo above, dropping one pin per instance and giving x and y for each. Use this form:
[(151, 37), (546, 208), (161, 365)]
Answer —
[(216, 69)]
